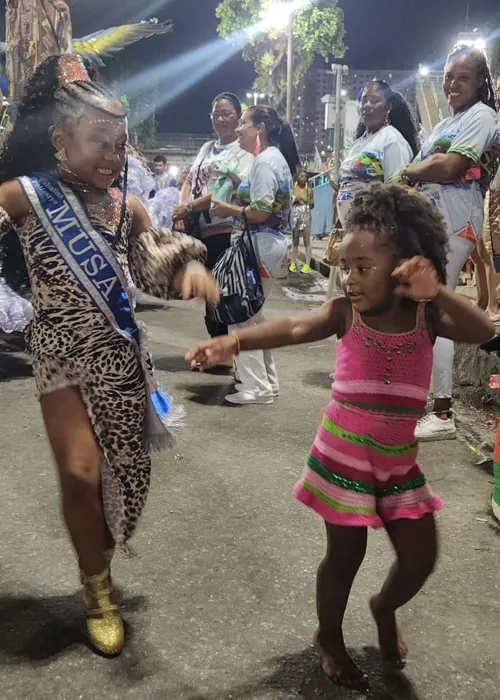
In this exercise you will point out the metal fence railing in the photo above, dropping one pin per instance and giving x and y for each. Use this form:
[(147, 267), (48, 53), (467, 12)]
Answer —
[(186, 143)]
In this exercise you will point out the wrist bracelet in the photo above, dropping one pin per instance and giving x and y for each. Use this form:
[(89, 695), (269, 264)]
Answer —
[(189, 208), (238, 344)]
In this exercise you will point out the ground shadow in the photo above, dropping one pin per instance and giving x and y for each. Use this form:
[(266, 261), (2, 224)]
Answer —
[(301, 676), (144, 307), (320, 380), (207, 394), (39, 629), (13, 366), (171, 363)]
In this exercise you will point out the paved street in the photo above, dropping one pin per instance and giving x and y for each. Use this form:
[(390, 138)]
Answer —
[(220, 599)]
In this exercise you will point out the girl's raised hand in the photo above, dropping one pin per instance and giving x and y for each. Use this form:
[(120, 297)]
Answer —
[(213, 352), (196, 282), (417, 279)]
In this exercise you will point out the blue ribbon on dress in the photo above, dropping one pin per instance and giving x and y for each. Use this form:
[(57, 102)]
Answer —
[(95, 267)]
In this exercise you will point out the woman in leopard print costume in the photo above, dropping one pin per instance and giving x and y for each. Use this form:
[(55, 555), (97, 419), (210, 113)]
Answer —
[(94, 383)]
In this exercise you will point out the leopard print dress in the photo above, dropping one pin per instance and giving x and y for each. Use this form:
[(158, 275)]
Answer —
[(72, 345)]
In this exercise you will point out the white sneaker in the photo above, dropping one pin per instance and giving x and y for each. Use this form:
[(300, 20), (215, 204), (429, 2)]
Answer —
[(244, 398), (431, 428), (241, 387)]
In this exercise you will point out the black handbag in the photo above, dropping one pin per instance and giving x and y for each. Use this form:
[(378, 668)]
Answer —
[(237, 274)]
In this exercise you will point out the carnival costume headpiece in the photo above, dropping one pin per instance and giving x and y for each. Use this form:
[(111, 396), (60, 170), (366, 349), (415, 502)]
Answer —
[(75, 85)]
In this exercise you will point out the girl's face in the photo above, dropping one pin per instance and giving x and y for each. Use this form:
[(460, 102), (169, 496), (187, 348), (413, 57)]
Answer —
[(247, 133), (462, 82), (224, 119), (366, 267), (96, 147), (374, 109)]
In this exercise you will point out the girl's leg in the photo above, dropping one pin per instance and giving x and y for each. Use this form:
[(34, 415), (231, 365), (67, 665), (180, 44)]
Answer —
[(78, 459), (416, 545), (346, 549), (77, 456)]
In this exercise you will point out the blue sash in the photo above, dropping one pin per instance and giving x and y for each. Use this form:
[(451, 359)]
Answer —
[(96, 269)]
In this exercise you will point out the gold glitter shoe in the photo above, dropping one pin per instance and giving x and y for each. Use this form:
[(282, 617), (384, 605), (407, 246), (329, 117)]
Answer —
[(104, 624)]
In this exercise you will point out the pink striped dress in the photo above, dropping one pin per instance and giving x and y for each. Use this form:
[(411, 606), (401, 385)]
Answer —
[(362, 470)]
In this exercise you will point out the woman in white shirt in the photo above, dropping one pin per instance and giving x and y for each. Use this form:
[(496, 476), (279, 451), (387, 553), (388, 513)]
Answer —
[(264, 201), (386, 143), (219, 168), (453, 171)]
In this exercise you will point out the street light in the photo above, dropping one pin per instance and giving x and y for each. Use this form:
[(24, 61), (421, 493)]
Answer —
[(256, 96), (281, 16)]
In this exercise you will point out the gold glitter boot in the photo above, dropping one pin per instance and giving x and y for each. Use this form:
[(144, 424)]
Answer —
[(104, 624)]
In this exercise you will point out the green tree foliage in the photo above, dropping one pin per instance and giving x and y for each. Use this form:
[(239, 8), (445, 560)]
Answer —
[(318, 30)]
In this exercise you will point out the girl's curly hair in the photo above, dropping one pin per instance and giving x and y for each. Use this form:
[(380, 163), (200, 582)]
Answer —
[(405, 221)]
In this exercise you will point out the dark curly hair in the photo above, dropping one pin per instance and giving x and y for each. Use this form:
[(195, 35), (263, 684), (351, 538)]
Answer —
[(487, 90), (406, 222), (400, 116), (28, 148)]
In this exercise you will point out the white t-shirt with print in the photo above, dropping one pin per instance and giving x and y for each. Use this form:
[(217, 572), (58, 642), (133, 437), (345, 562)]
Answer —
[(213, 159), (378, 157)]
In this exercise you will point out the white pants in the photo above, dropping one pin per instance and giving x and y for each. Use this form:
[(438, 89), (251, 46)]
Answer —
[(256, 368), (444, 349)]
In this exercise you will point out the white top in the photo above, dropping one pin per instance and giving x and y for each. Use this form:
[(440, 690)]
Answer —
[(378, 157), (208, 172)]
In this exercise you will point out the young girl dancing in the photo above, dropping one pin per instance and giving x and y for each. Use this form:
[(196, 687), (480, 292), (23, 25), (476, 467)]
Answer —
[(362, 471), (78, 244)]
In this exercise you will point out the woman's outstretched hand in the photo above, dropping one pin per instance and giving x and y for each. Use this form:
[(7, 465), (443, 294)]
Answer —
[(194, 281), (417, 279), (212, 352)]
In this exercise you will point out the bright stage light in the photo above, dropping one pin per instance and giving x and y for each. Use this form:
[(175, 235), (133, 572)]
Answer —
[(173, 170), (423, 71), (277, 15)]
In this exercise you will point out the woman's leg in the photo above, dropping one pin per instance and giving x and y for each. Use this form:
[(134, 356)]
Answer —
[(307, 241), (77, 456), (440, 424), (416, 545), (482, 281), (256, 369), (295, 245), (492, 281), (346, 549)]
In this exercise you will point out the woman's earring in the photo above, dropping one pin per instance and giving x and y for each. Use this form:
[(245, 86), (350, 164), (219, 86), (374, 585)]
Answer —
[(258, 146), (61, 156), (387, 119)]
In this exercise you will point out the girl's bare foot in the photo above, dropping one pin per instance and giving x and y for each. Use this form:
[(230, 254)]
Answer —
[(338, 665), (392, 645)]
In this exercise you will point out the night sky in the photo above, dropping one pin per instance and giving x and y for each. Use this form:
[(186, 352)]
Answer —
[(396, 34)]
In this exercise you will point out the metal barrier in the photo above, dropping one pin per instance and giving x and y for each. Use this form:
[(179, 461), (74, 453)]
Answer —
[(322, 214), (186, 143)]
